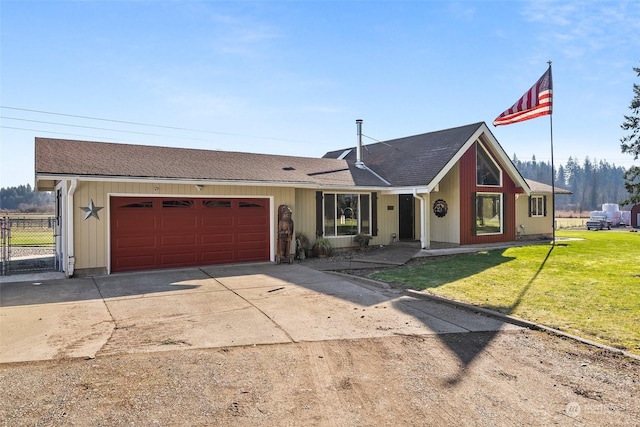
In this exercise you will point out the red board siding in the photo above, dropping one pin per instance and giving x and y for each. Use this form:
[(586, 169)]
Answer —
[(467, 189), (151, 233)]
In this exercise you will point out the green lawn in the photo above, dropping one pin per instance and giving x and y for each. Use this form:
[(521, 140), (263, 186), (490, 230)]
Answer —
[(32, 236), (33, 230), (588, 287)]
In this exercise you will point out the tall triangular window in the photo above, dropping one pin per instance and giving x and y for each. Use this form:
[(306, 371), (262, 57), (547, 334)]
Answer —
[(488, 173)]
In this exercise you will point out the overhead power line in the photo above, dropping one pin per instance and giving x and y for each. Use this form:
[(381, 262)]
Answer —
[(91, 127), (77, 116), (59, 133)]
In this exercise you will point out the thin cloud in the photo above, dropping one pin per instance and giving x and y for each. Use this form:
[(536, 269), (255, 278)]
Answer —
[(248, 42), (462, 11), (584, 28), (241, 35)]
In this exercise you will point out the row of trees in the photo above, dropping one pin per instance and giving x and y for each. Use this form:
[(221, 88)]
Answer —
[(592, 183), (24, 199)]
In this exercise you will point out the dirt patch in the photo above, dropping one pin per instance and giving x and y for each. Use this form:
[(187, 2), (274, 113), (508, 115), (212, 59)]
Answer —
[(368, 271), (516, 378)]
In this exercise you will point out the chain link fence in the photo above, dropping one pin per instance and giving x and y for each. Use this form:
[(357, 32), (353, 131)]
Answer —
[(28, 245)]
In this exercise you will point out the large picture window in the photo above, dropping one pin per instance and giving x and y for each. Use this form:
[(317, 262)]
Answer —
[(346, 214), (487, 171), (488, 213)]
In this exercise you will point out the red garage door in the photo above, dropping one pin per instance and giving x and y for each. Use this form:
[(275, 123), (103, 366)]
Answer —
[(150, 233)]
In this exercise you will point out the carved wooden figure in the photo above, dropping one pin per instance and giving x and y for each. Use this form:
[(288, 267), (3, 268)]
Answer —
[(285, 234)]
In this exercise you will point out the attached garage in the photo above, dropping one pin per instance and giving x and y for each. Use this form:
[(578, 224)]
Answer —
[(167, 232)]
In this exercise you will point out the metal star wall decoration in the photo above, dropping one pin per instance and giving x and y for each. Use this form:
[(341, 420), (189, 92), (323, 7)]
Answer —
[(91, 210)]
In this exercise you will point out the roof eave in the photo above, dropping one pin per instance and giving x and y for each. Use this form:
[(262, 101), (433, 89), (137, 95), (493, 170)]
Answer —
[(205, 181), (420, 189)]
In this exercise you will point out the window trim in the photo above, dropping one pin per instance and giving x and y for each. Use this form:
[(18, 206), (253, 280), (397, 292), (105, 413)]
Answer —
[(501, 212), (144, 204), (539, 202), (335, 219)]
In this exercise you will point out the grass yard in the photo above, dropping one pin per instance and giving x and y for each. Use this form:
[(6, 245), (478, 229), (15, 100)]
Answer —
[(588, 287), (31, 230), (32, 236)]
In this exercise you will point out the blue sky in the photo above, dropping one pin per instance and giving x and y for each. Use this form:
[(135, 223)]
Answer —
[(292, 77)]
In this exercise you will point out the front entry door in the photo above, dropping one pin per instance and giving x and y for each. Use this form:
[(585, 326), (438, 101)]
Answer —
[(406, 212)]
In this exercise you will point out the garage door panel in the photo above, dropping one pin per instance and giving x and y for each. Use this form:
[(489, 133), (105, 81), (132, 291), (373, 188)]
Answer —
[(149, 233), (218, 257), (136, 224), (135, 242), (208, 221), (251, 254), (250, 212), (251, 237), (178, 240), (251, 230), (209, 239), (179, 259), (249, 221), (137, 262), (173, 222), (212, 231)]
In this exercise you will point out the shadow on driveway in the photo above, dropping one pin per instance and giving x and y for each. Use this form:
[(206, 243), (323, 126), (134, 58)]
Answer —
[(85, 289), (218, 306)]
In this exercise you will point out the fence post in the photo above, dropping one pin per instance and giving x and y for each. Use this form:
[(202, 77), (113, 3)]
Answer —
[(4, 226)]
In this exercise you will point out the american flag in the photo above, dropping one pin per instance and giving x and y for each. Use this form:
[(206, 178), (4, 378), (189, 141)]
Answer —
[(535, 103)]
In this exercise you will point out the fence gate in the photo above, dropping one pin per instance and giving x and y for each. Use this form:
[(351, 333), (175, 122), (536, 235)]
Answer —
[(28, 245)]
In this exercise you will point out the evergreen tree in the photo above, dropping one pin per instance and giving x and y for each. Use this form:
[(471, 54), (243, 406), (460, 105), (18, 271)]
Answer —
[(572, 171), (587, 197), (631, 144), (560, 177)]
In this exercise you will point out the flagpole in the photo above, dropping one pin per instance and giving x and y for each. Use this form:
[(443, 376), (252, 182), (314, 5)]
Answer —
[(536, 102), (553, 175)]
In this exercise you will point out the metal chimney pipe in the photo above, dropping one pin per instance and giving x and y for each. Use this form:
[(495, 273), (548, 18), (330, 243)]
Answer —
[(359, 162)]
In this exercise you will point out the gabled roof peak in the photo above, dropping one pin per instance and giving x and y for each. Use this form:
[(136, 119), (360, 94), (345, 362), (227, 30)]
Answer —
[(412, 160)]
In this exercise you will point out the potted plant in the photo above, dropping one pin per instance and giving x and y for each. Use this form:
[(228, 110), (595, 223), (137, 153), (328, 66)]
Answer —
[(362, 239), (322, 247), (303, 246)]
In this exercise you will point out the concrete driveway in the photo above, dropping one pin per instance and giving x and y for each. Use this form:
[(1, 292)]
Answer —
[(209, 307)]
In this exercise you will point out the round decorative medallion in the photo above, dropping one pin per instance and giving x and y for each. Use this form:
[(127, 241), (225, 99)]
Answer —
[(440, 208)]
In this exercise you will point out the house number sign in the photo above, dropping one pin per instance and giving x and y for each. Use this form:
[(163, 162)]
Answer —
[(440, 208)]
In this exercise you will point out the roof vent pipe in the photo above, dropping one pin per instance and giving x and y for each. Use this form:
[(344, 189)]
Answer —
[(359, 162)]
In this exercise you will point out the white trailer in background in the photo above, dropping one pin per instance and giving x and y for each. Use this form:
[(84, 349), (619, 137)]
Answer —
[(609, 216)]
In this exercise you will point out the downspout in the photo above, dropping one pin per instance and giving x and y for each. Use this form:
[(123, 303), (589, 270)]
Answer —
[(71, 260), (423, 226)]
